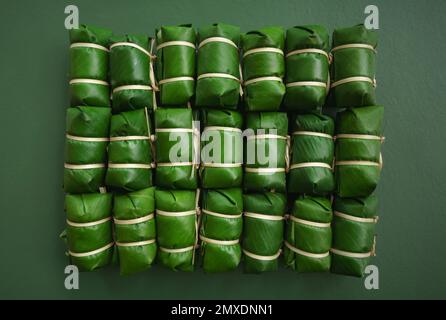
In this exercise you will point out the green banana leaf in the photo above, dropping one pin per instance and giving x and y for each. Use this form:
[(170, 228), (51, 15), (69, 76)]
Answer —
[(354, 62), (218, 256), (358, 179), (85, 122), (85, 239), (129, 233), (269, 152), (353, 235), (264, 95), (307, 238), (134, 150), (306, 66), (175, 61), (86, 62), (176, 225), (263, 237), (221, 146), (310, 148), (131, 66), (218, 57), (173, 147), (89, 62)]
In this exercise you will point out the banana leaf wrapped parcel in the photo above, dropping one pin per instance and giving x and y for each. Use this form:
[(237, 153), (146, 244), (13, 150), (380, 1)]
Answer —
[(312, 153), (307, 65), (177, 144), (135, 230), (308, 235), (131, 72), (263, 69), (89, 58), (266, 151), (130, 159), (175, 64), (87, 130), (353, 234), (221, 228), (218, 69), (353, 68), (89, 230), (176, 224), (221, 149), (358, 151), (263, 227)]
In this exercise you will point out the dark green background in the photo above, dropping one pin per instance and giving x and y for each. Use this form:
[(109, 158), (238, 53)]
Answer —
[(411, 85)]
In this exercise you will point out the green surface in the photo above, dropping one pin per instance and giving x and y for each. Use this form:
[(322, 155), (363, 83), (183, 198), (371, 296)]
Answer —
[(34, 82)]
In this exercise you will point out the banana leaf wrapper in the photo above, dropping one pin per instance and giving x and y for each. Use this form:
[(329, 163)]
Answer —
[(89, 58), (309, 235), (176, 224), (358, 151), (312, 153), (354, 62), (129, 67), (135, 230), (221, 228), (307, 76), (260, 93), (353, 234), (221, 58), (176, 144), (221, 149), (130, 158), (266, 152), (263, 229), (89, 230), (86, 143), (175, 64)]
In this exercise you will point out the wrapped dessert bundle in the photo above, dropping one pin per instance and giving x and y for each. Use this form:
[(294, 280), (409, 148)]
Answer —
[(130, 159), (307, 68), (262, 230), (358, 151), (175, 64), (353, 234), (131, 72), (266, 151), (308, 235), (176, 225), (353, 68), (221, 228), (135, 232), (177, 144), (218, 69), (89, 230), (222, 149), (89, 66), (312, 154), (87, 130), (263, 69)]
